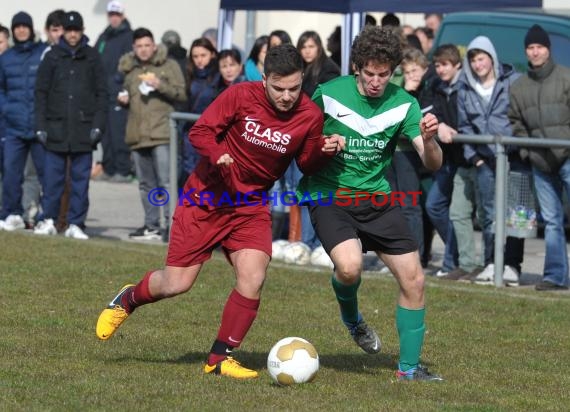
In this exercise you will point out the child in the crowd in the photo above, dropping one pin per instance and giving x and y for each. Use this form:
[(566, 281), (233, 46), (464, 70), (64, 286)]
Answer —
[(407, 173), (451, 199)]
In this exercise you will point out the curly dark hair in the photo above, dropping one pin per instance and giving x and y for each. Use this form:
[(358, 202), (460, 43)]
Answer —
[(376, 44)]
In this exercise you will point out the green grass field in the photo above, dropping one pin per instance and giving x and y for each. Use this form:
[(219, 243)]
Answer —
[(497, 349)]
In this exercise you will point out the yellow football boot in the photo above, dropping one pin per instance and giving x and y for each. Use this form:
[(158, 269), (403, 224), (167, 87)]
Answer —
[(232, 368), (112, 316)]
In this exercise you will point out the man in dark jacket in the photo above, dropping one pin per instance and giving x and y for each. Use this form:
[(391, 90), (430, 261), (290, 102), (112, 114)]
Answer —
[(539, 108), (71, 98), (115, 41), (18, 69)]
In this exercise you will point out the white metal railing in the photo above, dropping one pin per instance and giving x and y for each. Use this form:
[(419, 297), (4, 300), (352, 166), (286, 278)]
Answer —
[(501, 181)]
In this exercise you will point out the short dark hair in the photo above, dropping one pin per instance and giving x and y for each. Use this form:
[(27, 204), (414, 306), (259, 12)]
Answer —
[(390, 19), (375, 43), (5, 30), (447, 53), (233, 53), (474, 52), (369, 19), (142, 32), (283, 60), (55, 18)]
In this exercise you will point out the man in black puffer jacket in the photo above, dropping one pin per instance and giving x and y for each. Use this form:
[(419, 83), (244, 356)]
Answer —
[(71, 111)]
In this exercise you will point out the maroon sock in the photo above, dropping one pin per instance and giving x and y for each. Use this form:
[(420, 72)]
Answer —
[(138, 295), (238, 316)]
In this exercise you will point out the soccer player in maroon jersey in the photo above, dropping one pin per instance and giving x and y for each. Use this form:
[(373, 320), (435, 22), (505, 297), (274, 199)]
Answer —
[(247, 138)]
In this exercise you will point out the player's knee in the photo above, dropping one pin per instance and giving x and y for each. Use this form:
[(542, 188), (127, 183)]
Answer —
[(348, 272), (417, 284), (251, 284), (413, 284)]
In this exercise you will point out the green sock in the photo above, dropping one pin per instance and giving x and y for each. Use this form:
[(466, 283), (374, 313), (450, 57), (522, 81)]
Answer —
[(411, 329), (347, 298)]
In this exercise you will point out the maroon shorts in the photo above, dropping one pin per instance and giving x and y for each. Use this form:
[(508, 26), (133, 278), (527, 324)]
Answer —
[(197, 231)]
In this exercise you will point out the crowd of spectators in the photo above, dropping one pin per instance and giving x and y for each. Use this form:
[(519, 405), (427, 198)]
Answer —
[(70, 112)]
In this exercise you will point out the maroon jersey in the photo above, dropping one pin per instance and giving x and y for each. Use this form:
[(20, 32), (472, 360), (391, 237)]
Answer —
[(262, 141)]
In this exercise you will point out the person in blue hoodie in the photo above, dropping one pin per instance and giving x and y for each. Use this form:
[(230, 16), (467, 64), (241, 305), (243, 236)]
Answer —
[(18, 70), (482, 106)]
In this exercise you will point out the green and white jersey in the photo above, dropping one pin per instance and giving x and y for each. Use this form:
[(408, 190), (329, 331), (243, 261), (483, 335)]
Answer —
[(371, 127)]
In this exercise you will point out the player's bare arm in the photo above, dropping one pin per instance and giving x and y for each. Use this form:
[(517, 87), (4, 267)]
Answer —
[(427, 147), (333, 143)]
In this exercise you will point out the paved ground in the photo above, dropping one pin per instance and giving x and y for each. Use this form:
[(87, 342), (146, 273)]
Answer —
[(115, 210)]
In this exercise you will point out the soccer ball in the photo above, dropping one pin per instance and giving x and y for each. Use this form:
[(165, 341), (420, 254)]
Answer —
[(297, 253), (277, 249), (292, 360), (320, 258)]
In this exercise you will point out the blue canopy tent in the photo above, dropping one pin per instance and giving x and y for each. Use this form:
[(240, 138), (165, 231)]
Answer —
[(353, 11)]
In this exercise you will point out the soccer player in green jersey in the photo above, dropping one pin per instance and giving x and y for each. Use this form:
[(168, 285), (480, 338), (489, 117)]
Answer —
[(371, 113)]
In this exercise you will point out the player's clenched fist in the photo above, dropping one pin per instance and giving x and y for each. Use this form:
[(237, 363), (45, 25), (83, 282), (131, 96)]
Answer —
[(333, 143), (428, 126)]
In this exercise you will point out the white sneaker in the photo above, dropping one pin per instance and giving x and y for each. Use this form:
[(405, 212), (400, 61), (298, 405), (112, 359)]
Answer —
[(75, 232), (14, 222), (487, 276), (45, 227), (511, 276), (441, 273)]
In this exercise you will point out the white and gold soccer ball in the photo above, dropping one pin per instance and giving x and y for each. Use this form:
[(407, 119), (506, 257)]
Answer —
[(292, 360), (297, 253)]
